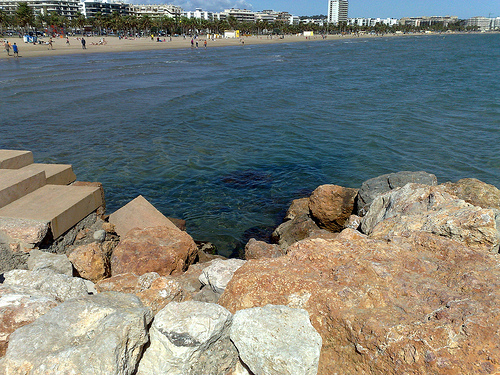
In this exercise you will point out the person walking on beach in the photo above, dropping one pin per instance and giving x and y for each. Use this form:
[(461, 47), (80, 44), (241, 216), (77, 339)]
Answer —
[(50, 44), (205, 43), (83, 43), (7, 47), (192, 42), (67, 41), (15, 50)]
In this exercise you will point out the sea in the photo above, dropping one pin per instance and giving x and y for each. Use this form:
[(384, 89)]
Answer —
[(226, 138)]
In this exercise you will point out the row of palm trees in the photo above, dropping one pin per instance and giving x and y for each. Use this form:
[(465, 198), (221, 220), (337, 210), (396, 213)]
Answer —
[(25, 19)]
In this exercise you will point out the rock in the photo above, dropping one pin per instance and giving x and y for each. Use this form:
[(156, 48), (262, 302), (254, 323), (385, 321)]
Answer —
[(99, 235), (189, 338), (299, 207), (259, 249), (25, 233), (475, 192), (17, 310), (276, 340), (90, 262), (102, 334), (331, 206), (138, 213), (179, 223), (47, 282), (421, 304), (374, 187), (294, 230), (206, 294), (153, 290), (59, 263), (431, 209), (218, 274), (158, 249), (108, 227)]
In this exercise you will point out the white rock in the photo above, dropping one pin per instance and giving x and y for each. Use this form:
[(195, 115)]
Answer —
[(189, 338), (276, 340), (219, 273), (58, 263)]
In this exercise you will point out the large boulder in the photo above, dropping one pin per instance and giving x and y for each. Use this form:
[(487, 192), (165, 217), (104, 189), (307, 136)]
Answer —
[(102, 334), (475, 192), (276, 340), (416, 207), (17, 310), (420, 304), (219, 272), (331, 206), (153, 290), (58, 263), (298, 207), (91, 262), (46, 282), (259, 249), (376, 186), (163, 250), (189, 338), (294, 230)]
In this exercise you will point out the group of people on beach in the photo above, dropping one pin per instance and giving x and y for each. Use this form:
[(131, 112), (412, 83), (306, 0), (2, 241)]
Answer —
[(8, 46)]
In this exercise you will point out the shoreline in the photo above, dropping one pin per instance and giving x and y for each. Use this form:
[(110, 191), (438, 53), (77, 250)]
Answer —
[(113, 44)]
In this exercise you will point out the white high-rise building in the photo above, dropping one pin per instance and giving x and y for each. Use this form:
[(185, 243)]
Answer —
[(337, 11)]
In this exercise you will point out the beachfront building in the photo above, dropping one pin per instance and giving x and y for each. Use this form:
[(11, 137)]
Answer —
[(157, 10), (337, 11), (91, 8), (266, 16), (428, 21), (199, 14), (66, 8), (483, 23), (241, 15), (371, 22)]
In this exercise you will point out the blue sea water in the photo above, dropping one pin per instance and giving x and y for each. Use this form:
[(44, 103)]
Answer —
[(225, 138)]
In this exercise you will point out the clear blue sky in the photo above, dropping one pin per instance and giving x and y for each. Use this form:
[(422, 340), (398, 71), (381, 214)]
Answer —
[(357, 8)]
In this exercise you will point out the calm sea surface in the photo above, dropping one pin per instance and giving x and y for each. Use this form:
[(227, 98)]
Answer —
[(226, 138)]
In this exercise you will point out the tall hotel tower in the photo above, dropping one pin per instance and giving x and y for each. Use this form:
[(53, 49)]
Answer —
[(337, 11)]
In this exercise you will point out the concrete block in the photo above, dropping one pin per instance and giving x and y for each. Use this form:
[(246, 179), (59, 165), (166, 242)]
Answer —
[(15, 159), (138, 213), (16, 183), (56, 174)]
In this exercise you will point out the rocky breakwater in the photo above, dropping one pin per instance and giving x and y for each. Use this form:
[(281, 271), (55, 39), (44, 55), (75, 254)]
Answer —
[(398, 277)]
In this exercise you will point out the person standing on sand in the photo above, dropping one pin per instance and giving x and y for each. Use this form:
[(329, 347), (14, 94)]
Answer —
[(50, 44), (67, 41), (15, 50), (205, 43), (7, 47), (192, 42), (83, 43)]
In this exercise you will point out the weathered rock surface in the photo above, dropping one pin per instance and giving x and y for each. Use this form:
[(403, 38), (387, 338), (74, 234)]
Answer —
[(475, 192), (91, 262), (259, 249), (294, 230), (26, 232), (298, 207), (276, 340), (157, 249), (331, 206), (153, 290), (102, 334), (374, 187), (59, 263), (189, 338), (431, 209), (47, 282), (218, 274), (421, 304), (17, 310)]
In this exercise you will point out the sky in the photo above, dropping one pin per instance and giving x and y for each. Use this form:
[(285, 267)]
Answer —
[(357, 8)]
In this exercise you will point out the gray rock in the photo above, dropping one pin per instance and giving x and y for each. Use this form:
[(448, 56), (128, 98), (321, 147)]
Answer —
[(102, 334), (100, 235), (189, 338), (206, 294), (47, 282), (374, 187), (294, 230), (219, 273), (59, 263), (276, 340)]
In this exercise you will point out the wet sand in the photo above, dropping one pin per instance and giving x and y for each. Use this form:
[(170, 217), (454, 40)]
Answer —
[(113, 44)]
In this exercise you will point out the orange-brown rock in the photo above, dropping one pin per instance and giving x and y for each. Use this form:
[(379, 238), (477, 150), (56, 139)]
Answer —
[(298, 207), (259, 249), (90, 262), (421, 304), (153, 290), (331, 206), (475, 192), (164, 250)]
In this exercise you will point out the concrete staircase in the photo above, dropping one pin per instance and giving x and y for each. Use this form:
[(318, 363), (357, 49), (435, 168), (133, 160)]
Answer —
[(41, 194)]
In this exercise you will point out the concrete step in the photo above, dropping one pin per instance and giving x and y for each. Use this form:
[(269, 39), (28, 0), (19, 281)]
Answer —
[(14, 159), (61, 206), (56, 174), (16, 183)]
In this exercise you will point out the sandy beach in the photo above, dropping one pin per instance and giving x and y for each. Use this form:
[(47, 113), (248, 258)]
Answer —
[(114, 44)]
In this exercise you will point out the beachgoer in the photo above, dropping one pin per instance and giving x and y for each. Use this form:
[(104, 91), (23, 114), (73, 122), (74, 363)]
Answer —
[(192, 42), (197, 44), (7, 47), (205, 43), (50, 44), (83, 43), (67, 41), (15, 49)]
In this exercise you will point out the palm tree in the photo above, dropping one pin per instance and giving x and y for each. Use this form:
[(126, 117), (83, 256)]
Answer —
[(25, 15)]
